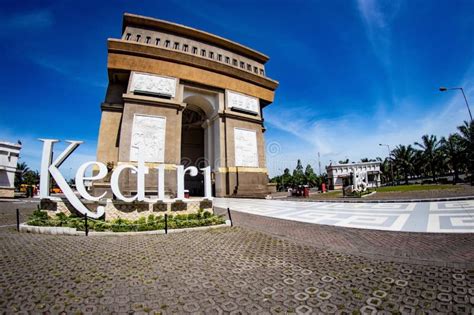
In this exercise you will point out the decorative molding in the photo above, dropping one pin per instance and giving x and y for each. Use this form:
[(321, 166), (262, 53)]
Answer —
[(242, 102), (153, 101), (148, 134), (168, 167), (242, 170), (111, 107), (152, 84), (245, 145), (231, 115)]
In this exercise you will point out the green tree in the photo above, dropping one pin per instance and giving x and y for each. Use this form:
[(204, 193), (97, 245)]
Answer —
[(429, 146), (466, 133), (311, 178), (298, 174), (31, 177), (385, 170), (21, 170), (453, 154), (419, 165), (286, 178), (346, 161), (403, 159)]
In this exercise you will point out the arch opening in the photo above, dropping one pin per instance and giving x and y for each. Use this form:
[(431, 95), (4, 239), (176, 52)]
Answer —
[(192, 148)]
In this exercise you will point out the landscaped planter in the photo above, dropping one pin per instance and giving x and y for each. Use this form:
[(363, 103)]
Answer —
[(53, 230), (43, 221), (129, 210)]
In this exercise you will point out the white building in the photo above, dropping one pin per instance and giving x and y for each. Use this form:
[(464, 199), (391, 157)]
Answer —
[(9, 153), (340, 175)]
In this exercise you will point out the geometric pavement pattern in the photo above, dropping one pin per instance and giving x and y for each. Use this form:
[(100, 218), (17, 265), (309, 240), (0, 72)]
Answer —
[(433, 217), (221, 271)]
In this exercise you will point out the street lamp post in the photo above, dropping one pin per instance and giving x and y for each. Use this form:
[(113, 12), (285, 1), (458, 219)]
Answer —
[(391, 164), (444, 89)]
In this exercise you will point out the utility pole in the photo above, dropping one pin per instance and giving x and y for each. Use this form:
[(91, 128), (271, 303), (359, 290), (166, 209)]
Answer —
[(319, 162), (444, 89)]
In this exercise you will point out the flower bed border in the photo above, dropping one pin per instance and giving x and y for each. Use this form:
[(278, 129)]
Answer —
[(56, 230)]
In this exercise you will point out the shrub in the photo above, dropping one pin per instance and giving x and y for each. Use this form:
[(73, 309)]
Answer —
[(150, 223)]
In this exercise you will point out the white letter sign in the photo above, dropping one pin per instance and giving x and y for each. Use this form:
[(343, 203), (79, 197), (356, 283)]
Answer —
[(48, 168)]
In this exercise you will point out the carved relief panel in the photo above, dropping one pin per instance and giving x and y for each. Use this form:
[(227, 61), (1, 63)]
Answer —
[(148, 135), (152, 84), (242, 102), (246, 153)]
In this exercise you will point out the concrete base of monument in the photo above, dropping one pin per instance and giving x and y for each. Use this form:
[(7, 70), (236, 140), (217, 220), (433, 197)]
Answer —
[(251, 191), (7, 192), (130, 210)]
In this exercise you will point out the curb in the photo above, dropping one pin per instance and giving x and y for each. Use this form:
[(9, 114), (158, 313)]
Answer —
[(19, 200), (381, 201), (55, 230)]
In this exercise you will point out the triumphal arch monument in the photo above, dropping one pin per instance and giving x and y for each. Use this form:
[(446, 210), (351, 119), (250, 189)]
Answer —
[(181, 96)]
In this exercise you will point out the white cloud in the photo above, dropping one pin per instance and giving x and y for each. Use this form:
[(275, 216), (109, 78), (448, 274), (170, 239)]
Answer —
[(377, 17), (68, 68), (32, 20), (357, 136)]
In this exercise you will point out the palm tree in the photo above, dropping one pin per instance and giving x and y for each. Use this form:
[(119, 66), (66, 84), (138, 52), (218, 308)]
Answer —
[(385, 170), (31, 177), (403, 159), (453, 153), (429, 147), (21, 170), (419, 167), (466, 133)]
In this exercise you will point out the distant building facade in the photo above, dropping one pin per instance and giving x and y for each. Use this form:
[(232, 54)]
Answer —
[(185, 97), (9, 154), (339, 175)]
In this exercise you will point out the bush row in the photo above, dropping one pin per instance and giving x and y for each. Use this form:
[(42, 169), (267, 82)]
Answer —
[(150, 223)]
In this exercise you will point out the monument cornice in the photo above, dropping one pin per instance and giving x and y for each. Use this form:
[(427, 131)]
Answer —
[(154, 101), (189, 32), (112, 107), (242, 169), (239, 116), (153, 52)]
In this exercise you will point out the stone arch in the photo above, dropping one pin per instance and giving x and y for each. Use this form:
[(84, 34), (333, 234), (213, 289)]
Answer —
[(200, 131), (205, 101)]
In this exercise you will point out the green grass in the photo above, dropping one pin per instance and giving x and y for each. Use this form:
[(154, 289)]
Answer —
[(403, 188), (334, 193)]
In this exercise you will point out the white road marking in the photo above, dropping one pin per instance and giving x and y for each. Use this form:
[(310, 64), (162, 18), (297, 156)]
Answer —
[(421, 216)]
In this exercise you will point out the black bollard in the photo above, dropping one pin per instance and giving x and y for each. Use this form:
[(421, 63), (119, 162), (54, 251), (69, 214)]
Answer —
[(86, 226), (18, 220), (230, 217), (166, 223)]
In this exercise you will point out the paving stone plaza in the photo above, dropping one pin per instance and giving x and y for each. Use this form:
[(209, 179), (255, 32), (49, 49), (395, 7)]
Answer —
[(237, 270), (454, 216)]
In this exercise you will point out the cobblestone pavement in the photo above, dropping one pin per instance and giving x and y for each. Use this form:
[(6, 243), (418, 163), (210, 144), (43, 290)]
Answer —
[(230, 270), (433, 217), (453, 250)]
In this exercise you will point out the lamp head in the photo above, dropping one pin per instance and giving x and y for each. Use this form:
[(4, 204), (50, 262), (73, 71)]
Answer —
[(443, 89)]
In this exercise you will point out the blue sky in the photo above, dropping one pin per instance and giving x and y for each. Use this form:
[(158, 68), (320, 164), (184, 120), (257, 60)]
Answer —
[(352, 74)]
